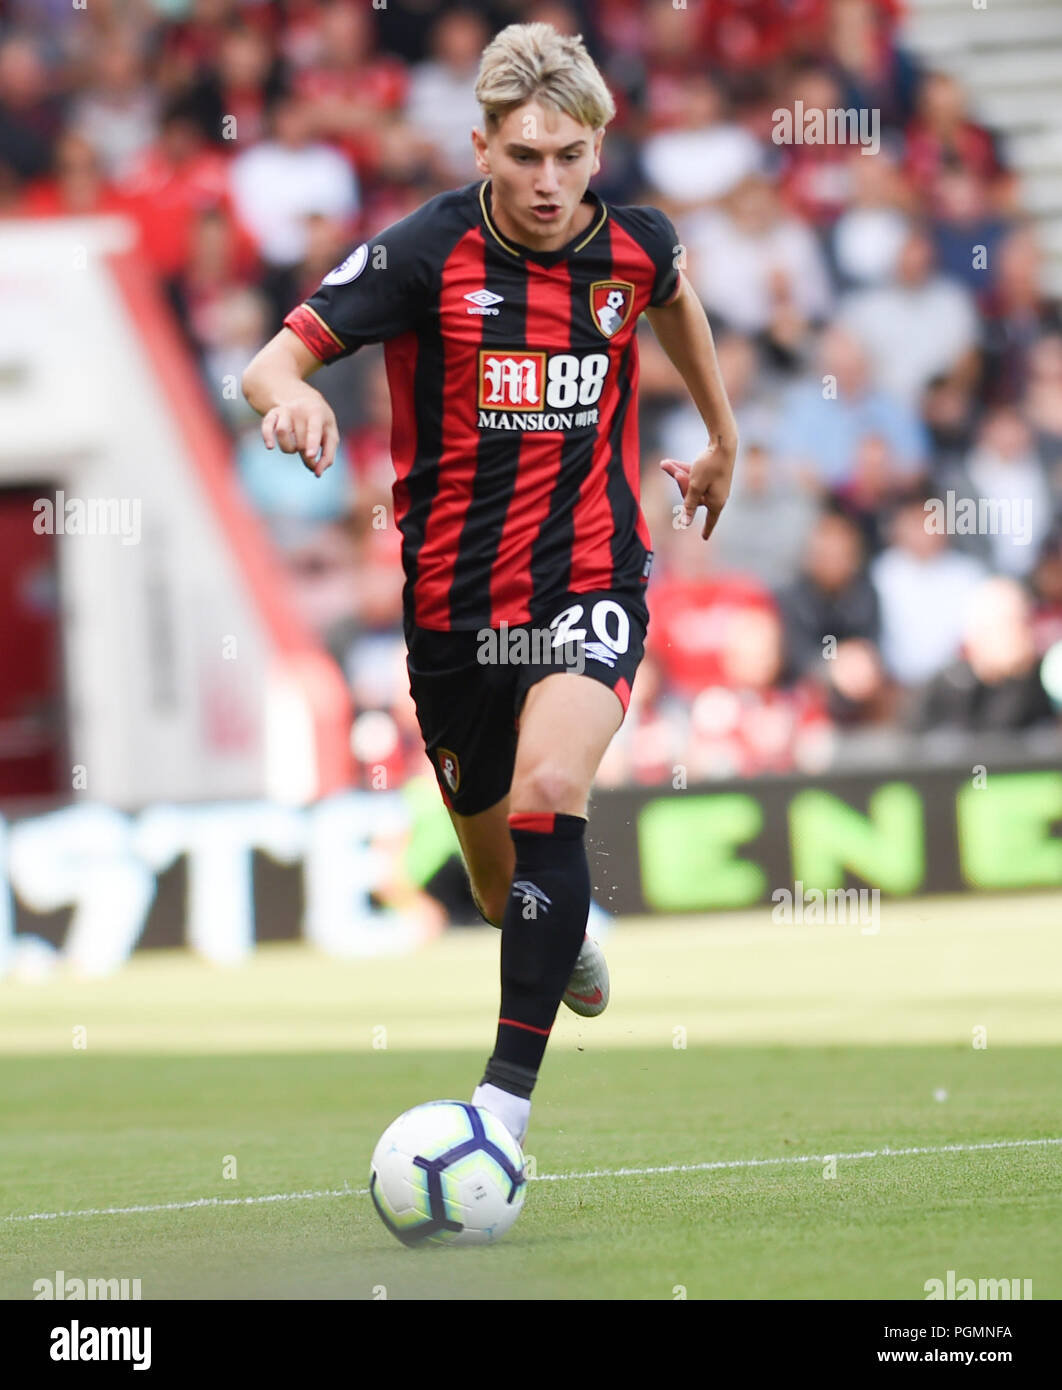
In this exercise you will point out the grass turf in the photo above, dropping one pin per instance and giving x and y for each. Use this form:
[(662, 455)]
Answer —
[(846, 1043)]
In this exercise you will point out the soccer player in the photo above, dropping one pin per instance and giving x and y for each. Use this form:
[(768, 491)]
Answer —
[(508, 312)]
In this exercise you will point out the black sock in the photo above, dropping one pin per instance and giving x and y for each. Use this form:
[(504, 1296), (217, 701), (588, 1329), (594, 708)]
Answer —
[(542, 932)]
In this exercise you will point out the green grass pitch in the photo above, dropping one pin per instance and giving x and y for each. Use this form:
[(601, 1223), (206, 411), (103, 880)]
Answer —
[(721, 1132)]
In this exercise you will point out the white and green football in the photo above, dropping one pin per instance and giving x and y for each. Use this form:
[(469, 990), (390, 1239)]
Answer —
[(447, 1172)]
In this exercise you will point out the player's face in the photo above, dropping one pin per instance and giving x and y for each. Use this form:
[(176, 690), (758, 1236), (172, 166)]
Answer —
[(540, 162)]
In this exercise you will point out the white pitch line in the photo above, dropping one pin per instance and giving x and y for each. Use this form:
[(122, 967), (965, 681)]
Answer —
[(713, 1166), (197, 1202), (794, 1158)]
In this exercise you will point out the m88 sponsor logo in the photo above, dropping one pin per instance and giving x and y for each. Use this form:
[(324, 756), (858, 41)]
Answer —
[(558, 388)]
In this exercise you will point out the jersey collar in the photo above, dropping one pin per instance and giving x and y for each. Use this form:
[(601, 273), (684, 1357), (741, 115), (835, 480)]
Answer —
[(548, 257)]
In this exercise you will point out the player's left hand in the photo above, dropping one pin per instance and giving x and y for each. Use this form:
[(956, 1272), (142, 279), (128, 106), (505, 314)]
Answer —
[(705, 482)]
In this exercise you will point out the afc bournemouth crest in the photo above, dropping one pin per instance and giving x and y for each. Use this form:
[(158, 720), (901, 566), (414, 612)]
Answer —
[(449, 767), (611, 302)]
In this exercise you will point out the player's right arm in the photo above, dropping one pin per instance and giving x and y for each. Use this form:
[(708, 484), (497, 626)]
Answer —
[(381, 290), (297, 418)]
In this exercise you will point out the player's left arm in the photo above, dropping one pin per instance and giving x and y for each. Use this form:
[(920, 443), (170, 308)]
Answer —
[(683, 331)]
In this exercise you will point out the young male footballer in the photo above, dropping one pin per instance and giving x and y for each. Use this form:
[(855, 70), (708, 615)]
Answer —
[(508, 312)]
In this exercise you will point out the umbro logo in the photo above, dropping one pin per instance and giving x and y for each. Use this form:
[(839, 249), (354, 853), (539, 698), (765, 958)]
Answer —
[(597, 651), (484, 301), (523, 888)]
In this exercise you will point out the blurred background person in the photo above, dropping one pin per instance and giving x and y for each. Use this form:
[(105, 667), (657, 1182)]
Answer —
[(702, 157), (832, 622), (918, 325), (765, 528), (995, 685), (924, 590), (1003, 484), (825, 417), (868, 235), (1042, 403), (754, 720), (440, 100), (752, 263), (279, 184)]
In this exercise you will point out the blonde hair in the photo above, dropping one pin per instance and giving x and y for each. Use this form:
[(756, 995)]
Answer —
[(534, 61)]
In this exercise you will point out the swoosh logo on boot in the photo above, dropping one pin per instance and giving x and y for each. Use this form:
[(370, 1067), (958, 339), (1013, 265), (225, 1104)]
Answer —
[(594, 998)]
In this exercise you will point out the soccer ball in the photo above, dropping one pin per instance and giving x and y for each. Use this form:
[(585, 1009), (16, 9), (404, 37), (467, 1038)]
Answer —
[(449, 1173)]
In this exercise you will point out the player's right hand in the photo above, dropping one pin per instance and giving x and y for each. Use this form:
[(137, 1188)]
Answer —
[(705, 482), (304, 425)]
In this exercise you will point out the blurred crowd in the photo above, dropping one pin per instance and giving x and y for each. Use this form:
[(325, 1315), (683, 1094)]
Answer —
[(879, 318)]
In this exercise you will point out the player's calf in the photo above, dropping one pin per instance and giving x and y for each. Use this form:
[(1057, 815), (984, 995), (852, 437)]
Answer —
[(587, 992), (542, 933)]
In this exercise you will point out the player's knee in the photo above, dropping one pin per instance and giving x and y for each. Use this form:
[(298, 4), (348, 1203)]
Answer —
[(548, 786), (490, 900)]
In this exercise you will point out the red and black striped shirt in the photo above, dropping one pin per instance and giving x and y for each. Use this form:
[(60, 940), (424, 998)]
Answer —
[(513, 377)]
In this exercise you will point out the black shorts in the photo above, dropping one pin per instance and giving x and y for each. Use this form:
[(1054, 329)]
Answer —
[(469, 687)]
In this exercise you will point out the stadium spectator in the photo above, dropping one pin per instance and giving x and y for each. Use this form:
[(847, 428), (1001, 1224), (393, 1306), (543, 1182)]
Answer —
[(832, 623), (694, 612), (30, 112), (369, 441), (747, 35), (1042, 404), (220, 260), (875, 483), (667, 39), (1004, 483), (232, 97), (192, 39), (321, 567), (118, 112), (816, 175), (703, 157), (995, 685), (171, 183), (948, 411), (824, 419), (1045, 584), (941, 136), (352, 93), (278, 492), (967, 233), (440, 100), (915, 327), (1017, 313), (680, 430), (866, 239), (326, 244), (924, 590), (764, 530), (875, 72), (232, 322), (75, 186), (752, 722), (750, 262), (281, 182)]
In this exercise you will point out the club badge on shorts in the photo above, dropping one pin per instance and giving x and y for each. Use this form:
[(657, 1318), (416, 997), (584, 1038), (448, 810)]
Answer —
[(611, 302), (449, 767)]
